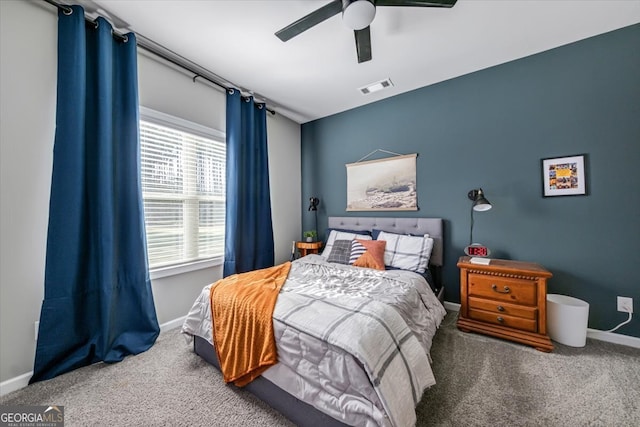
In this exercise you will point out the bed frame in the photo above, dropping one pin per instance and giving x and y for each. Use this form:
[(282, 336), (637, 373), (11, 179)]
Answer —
[(299, 412)]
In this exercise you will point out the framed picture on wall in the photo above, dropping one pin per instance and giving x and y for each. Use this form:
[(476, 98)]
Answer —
[(564, 176), (382, 185)]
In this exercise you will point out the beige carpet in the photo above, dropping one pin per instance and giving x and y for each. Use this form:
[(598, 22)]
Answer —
[(481, 382)]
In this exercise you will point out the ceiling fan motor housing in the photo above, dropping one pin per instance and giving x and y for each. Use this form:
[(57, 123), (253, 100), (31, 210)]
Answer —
[(358, 14)]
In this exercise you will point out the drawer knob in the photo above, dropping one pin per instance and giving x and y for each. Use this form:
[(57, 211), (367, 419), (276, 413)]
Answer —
[(505, 290), (500, 319), (500, 308)]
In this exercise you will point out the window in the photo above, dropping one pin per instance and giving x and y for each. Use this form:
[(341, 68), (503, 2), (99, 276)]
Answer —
[(183, 188)]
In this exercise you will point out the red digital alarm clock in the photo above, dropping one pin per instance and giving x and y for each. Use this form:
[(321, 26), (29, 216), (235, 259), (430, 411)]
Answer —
[(478, 250)]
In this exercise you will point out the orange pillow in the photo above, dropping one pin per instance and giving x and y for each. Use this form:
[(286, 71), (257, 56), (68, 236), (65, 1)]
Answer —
[(373, 256)]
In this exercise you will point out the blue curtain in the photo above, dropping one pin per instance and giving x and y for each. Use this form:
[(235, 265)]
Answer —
[(249, 230), (98, 304)]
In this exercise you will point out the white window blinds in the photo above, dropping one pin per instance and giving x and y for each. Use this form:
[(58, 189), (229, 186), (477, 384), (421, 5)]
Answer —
[(183, 187)]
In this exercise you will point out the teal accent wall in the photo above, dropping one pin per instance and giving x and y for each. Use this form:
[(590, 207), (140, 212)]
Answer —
[(491, 129)]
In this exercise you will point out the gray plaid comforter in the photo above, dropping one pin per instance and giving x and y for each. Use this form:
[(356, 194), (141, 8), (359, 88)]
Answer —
[(353, 342)]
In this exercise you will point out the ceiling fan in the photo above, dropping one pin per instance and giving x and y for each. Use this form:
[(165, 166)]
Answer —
[(357, 15)]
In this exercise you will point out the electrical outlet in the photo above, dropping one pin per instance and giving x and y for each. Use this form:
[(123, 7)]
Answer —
[(625, 304), (36, 326)]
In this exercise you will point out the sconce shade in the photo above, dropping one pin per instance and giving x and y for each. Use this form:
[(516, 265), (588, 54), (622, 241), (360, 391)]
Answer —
[(480, 203)]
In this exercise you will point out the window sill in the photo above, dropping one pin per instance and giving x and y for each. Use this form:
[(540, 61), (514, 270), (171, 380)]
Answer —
[(174, 270)]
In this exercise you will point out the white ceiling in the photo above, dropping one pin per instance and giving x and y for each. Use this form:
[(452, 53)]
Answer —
[(316, 74)]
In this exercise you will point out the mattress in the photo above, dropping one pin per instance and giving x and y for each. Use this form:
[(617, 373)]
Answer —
[(352, 342)]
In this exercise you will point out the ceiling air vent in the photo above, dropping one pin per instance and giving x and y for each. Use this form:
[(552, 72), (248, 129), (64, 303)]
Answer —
[(375, 87)]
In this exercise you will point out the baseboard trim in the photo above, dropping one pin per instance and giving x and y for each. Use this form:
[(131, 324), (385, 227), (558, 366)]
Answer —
[(21, 381), (172, 324), (595, 334), (451, 306), (627, 340), (16, 383)]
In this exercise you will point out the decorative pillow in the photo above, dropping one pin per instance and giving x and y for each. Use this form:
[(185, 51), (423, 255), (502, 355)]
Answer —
[(357, 250), (407, 252), (341, 235), (368, 253), (340, 252)]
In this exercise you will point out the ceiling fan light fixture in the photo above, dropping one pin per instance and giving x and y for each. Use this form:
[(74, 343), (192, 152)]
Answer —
[(358, 14)]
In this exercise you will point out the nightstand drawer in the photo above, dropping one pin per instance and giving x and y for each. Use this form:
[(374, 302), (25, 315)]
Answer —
[(516, 291), (500, 308), (504, 320)]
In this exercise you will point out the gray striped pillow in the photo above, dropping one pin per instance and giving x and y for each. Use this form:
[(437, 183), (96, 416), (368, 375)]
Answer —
[(357, 249)]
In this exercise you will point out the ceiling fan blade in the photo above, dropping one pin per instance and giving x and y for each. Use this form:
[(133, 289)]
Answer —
[(363, 44), (306, 22), (416, 3)]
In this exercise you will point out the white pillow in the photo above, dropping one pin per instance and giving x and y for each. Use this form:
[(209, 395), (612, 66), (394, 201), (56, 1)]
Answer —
[(341, 235), (407, 252)]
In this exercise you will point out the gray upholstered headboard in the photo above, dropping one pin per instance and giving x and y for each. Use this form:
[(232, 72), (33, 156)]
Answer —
[(431, 226)]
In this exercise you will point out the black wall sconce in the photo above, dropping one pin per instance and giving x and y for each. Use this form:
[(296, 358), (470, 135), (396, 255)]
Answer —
[(480, 204), (313, 206)]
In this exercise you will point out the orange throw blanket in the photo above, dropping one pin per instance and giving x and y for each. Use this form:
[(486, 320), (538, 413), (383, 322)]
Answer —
[(242, 309)]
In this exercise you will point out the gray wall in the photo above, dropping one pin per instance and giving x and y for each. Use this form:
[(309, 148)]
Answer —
[(490, 129), (28, 85)]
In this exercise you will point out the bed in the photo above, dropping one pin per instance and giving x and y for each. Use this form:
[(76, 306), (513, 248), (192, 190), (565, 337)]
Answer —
[(353, 343)]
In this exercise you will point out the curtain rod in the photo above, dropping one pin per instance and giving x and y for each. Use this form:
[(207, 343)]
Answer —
[(150, 46)]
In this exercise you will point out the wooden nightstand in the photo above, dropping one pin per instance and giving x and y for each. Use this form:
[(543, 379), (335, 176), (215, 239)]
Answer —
[(505, 299), (307, 248)]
